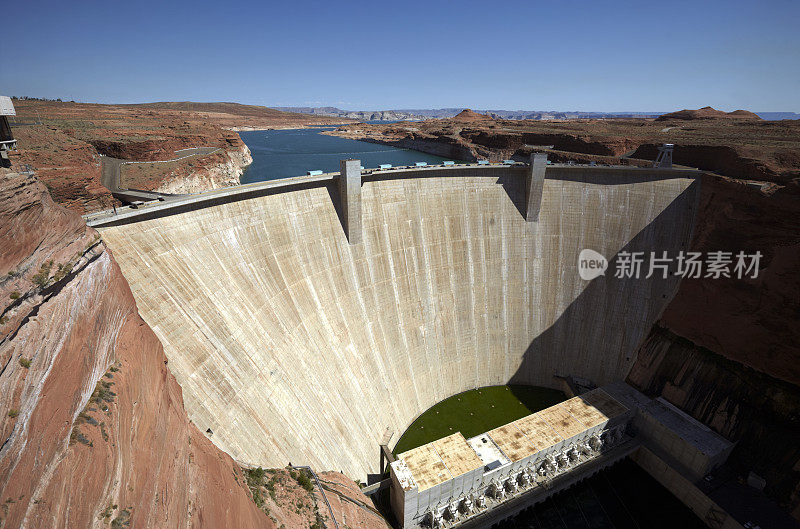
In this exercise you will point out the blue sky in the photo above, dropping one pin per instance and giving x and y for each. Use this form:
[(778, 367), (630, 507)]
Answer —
[(562, 55)]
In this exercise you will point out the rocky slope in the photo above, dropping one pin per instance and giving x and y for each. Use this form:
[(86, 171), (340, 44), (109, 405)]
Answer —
[(93, 425), (220, 170), (193, 174), (93, 432), (751, 321), (756, 410), (291, 498), (63, 142)]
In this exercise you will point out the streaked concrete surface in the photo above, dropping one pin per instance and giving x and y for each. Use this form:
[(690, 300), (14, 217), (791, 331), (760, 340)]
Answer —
[(293, 345)]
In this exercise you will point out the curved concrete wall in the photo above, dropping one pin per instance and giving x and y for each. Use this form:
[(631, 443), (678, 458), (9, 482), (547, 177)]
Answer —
[(293, 345)]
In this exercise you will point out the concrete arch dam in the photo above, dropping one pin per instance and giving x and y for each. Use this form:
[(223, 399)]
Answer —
[(291, 344)]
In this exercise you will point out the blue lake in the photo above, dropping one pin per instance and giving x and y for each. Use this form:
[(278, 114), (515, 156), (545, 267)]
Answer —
[(285, 153)]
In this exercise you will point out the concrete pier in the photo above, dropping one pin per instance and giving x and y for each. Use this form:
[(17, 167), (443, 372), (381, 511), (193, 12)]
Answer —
[(534, 186), (350, 196)]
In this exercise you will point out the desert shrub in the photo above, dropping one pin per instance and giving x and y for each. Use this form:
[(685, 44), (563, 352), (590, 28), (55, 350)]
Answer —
[(77, 437), (85, 417), (13, 413), (304, 480), (123, 520), (102, 394), (255, 476), (14, 295), (271, 487), (24, 362), (62, 272), (108, 511), (318, 524), (42, 277), (258, 498)]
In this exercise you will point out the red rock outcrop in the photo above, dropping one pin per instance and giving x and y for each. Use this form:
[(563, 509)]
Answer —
[(470, 115), (291, 504), (738, 148), (92, 423), (707, 113)]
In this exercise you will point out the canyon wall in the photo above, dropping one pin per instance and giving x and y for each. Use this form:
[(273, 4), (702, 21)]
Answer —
[(726, 350), (737, 148), (65, 151), (293, 345), (93, 425)]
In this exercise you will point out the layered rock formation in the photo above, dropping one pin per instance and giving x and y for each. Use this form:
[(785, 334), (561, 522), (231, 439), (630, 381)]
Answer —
[(211, 174), (93, 425), (63, 142), (738, 148), (194, 174)]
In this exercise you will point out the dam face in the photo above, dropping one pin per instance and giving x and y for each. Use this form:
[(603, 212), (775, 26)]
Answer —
[(293, 345)]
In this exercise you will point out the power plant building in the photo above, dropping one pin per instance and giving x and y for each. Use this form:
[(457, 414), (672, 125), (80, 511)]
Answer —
[(452, 480)]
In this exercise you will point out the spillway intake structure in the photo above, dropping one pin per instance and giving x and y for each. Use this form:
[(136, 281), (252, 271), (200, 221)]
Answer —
[(294, 341)]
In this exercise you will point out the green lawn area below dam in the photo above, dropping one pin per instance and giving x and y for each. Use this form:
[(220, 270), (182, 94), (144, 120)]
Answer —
[(475, 412)]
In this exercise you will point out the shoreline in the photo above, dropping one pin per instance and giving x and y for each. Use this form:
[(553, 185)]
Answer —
[(245, 128)]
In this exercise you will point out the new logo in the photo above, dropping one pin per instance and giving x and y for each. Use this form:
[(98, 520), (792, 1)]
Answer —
[(591, 264)]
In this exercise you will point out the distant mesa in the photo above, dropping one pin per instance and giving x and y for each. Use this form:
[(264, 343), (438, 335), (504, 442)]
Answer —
[(707, 113), (470, 115)]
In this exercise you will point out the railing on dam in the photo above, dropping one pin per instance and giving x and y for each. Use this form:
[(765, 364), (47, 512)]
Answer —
[(590, 173)]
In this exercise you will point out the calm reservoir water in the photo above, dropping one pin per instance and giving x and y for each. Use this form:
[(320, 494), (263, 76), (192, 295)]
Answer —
[(285, 153)]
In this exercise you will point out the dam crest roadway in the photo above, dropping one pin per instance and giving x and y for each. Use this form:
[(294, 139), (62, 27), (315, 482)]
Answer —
[(307, 317)]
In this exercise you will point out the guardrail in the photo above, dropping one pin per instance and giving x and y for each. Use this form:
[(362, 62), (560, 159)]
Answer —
[(179, 204), (171, 205), (176, 159)]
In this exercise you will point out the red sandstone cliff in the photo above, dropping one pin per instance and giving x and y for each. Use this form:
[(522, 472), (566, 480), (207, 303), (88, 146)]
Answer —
[(93, 425), (751, 321), (727, 351)]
